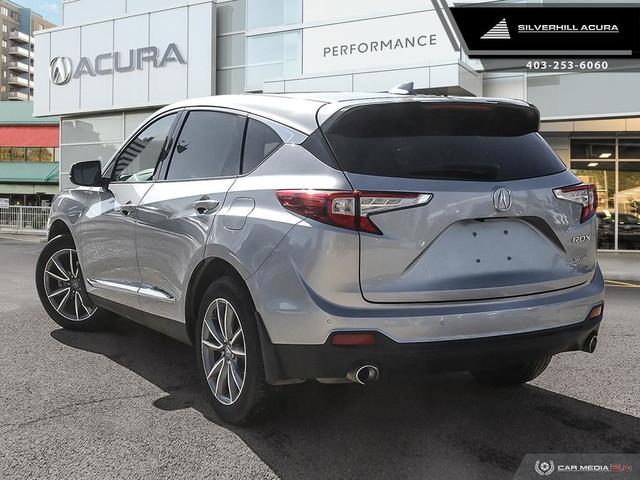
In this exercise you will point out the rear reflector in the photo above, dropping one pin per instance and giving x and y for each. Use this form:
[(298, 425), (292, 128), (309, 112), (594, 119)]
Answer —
[(353, 339), (595, 311), (348, 209), (585, 194)]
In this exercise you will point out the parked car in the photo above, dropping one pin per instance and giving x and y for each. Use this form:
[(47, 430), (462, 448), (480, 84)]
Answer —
[(628, 230), (337, 237)]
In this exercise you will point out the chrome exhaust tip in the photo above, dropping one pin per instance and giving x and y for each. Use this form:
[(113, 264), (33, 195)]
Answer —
[(365, 375), (591, 344)]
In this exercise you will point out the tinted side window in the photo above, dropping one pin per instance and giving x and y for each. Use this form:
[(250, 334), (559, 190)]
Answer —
[(260, 142), (208, 146), (138, 161)]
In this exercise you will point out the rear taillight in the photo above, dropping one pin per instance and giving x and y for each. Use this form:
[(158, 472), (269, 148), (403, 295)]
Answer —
[(585, 194), (349, 209)]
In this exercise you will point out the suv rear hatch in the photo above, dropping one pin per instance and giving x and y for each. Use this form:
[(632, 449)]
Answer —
[(493, 228)]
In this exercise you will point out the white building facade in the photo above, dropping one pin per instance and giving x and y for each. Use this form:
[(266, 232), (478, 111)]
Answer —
[(111, 64)]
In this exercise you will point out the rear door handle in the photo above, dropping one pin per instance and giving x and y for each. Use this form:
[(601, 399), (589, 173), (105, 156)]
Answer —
[(127, 208), (205, 205)]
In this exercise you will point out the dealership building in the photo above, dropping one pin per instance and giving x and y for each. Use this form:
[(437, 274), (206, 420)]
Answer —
[(111, 64)]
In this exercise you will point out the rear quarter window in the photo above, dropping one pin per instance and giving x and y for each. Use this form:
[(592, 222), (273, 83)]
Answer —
[(480, 142), (260, 142)]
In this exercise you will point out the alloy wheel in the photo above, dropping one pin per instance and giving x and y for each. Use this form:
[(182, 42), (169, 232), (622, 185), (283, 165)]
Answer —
[(63, 286), (223, 351)]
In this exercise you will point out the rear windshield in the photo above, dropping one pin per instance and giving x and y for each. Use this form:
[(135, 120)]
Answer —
[(477, 142)]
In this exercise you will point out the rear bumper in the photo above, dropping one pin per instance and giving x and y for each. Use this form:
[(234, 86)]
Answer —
[(296, 314), (286, 362)]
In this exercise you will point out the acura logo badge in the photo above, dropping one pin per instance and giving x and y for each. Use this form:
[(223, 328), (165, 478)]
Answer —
[(60, 70), (502, 199)]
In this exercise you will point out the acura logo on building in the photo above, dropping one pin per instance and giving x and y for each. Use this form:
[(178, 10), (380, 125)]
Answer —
[(502, 199), (60, 70)]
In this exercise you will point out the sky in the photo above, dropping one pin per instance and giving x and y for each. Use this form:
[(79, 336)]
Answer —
[(49, 9)]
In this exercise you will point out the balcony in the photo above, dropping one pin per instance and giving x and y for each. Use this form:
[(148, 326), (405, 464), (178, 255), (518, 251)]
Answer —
[(19, 37), (20, 67), (17, 80), (19, 52), (18, 96)]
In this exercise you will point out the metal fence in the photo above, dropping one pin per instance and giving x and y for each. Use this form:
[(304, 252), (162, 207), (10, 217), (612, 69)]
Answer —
[(19, 219)]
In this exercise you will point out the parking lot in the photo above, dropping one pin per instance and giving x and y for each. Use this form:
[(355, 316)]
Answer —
[(125, 403)]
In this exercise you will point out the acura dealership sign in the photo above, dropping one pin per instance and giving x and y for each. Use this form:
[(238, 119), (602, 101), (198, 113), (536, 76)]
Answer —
[(126, 60), (61, 68)]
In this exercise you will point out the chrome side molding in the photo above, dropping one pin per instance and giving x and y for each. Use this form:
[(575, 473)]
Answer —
[(144, 290)]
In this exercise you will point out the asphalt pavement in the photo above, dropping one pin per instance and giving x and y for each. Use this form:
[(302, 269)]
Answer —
[(126, 403)]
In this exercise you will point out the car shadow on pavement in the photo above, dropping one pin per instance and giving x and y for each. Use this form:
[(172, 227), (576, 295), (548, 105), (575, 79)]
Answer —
[(441, 426)]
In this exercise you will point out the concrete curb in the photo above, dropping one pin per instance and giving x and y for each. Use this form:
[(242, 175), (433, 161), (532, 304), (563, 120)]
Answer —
[(620, 266), (621, 277)]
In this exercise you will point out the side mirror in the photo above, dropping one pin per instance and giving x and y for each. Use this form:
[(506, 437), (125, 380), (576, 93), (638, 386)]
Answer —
[(87, 174)]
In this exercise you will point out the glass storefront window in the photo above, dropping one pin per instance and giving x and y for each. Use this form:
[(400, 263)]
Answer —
[(618, 210), (33, 154), (593, 148), (628, 207), (92, 129), (273, 13), (28, 154), (80, 153), (46, 155), (629, 148), (274, 55), (603, 176), (17, 154)]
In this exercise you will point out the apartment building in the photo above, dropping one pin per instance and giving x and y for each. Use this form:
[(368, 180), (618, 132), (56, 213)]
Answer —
[(18, 26)]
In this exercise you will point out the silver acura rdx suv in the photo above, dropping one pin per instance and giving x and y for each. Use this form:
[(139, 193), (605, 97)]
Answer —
[(336, 237)]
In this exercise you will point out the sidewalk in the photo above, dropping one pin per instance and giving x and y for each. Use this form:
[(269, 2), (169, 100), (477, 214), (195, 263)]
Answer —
[(620, 266)]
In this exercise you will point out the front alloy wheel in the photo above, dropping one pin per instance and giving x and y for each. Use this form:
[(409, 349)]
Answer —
[(62, 285), (61, 288)]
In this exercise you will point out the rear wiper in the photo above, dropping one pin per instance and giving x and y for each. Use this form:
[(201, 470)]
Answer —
[(484, 171)]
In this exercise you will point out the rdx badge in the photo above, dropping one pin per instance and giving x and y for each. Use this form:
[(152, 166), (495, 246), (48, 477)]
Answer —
[(581, 238)]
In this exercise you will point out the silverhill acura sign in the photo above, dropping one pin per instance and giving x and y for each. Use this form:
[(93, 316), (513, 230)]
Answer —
[(550, 32), (61, 68)]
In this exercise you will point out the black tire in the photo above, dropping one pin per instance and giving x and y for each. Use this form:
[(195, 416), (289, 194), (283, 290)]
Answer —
[(511, 375), (88, 317), (255, 398)]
